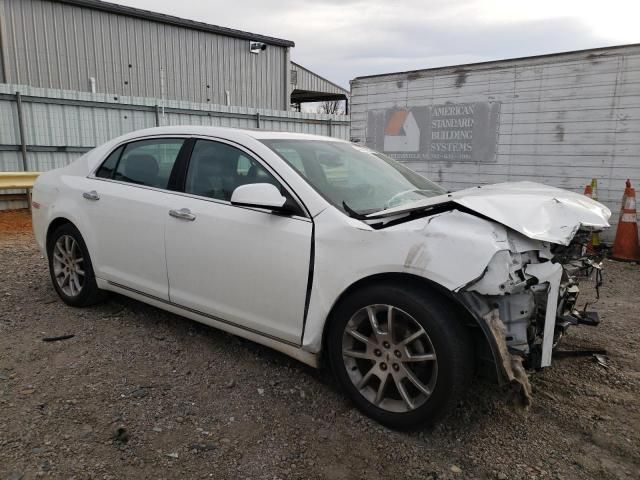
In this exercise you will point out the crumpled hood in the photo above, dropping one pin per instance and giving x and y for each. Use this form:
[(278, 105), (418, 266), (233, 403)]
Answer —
[(538, 211)]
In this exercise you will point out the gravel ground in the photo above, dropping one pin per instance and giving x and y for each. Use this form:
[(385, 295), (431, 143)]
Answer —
[(138, 392)]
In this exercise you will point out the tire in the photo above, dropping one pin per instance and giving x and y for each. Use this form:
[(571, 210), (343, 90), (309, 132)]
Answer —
[(69, 258), (440, 358)]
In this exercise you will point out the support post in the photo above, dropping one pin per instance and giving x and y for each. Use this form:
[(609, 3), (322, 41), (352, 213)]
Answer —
[(23, 144), (258, 119), (330, 123), (157, 115)]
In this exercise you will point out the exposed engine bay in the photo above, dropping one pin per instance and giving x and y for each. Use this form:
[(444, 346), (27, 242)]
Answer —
[(538, 302)]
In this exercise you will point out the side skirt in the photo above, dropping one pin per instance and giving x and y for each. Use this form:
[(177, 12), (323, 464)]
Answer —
[(289, 349)]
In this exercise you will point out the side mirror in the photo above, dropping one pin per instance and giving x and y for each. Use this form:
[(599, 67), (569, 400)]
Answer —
[(261, 195)]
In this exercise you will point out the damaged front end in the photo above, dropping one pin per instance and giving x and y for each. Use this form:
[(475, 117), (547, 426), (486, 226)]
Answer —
[(527, 299)]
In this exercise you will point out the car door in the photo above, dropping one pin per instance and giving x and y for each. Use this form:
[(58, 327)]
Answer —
[(126, 205), (245, 266)]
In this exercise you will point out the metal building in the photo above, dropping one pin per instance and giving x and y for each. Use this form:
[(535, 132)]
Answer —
[(100, 47), (311, 87), (558, 119)]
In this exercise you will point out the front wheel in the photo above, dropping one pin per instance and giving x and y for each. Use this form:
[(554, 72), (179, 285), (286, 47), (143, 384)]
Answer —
[(71, 269), (400, 354)]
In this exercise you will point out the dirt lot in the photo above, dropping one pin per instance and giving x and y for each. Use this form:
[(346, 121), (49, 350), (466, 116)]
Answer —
[(193, 402)]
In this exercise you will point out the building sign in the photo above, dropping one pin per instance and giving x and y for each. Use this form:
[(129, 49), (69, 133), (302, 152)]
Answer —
[(448, 132)]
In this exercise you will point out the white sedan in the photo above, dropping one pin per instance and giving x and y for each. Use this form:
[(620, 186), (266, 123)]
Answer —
[(323, 249)]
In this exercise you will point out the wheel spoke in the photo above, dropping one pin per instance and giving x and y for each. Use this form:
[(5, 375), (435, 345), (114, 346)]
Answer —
[(356, 354), (79, 271), (403, 393), (58, 257), (412, 337), (426, 357), (60, 249), (371, 313), (381, 389), (67, 244), (76, 282), (360, 337), (416, 382), (390, 317), (365, 378)]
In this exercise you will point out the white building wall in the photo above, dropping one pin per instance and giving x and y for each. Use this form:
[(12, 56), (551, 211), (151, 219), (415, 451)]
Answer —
[(559, 119)]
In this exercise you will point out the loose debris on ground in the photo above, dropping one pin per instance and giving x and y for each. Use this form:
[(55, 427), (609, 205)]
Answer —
[(141, 393)]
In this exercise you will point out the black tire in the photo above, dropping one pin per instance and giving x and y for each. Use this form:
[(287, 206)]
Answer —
[(89, 293), (449, 339)]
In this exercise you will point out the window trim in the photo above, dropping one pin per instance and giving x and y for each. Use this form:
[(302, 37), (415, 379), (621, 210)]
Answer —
[(180, 171), (182, 176), (124, 144)]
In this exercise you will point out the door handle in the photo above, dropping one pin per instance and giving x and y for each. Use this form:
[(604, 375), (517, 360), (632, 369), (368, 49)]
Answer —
[(183, 214), (92, 195)]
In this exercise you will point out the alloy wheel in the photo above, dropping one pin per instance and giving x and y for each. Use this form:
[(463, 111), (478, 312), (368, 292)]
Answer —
[(68, 268), (389, 358)]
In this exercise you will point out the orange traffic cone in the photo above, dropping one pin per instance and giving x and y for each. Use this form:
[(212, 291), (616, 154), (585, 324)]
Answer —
[(588, 190), (625, 246)]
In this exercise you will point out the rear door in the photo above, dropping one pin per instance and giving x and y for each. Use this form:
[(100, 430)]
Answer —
[(244, 266), (127, 203)]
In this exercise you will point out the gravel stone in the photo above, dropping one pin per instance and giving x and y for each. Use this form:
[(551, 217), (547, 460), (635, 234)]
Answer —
[(584, 422)]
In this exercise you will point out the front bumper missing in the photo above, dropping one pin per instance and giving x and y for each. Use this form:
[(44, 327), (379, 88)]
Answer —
[(524, 327), (550, 273)]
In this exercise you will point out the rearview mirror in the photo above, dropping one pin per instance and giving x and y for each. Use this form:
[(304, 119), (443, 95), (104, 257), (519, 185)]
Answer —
[(262, 195)]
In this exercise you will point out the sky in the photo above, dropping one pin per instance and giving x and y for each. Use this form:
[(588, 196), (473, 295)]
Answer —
[(344, 39)]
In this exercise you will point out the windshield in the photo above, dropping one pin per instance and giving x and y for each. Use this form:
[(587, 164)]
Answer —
[(365, 180)]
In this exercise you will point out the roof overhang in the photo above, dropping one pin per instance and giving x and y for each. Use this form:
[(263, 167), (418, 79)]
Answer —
[(303, 96), (177, 21)]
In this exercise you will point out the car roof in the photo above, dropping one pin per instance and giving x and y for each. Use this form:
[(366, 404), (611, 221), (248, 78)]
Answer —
[(228, 133)]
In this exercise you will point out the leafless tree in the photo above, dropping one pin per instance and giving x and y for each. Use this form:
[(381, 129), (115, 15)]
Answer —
[(333, 107)]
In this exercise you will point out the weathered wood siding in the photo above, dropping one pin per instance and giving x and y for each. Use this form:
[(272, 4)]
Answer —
[(559, 119)]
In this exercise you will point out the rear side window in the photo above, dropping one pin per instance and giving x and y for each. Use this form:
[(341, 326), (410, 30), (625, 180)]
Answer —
[(147, 162), (109, 165)]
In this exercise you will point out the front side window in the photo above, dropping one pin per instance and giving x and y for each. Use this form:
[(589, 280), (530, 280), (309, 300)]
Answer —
[(146, 162), (217, 169), (346, 174)]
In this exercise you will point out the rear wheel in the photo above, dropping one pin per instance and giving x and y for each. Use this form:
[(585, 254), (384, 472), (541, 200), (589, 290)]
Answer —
[(401, 356), (71, 269)]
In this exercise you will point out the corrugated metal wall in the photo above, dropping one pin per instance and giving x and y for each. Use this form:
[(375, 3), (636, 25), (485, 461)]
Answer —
[(307, 80), (61, 125), (54, 45), (561, 119)]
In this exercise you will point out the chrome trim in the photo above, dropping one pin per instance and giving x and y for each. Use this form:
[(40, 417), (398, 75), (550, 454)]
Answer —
[(92, 195), (182, 214)]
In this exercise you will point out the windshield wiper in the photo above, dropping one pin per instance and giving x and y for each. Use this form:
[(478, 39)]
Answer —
[(352, 213)]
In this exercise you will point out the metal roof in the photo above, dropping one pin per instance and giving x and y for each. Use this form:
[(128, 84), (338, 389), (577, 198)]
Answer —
[(320, 77), (181, 22), (590, 52)]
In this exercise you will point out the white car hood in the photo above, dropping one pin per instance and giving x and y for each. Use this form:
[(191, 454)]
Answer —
[(537, 211)]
